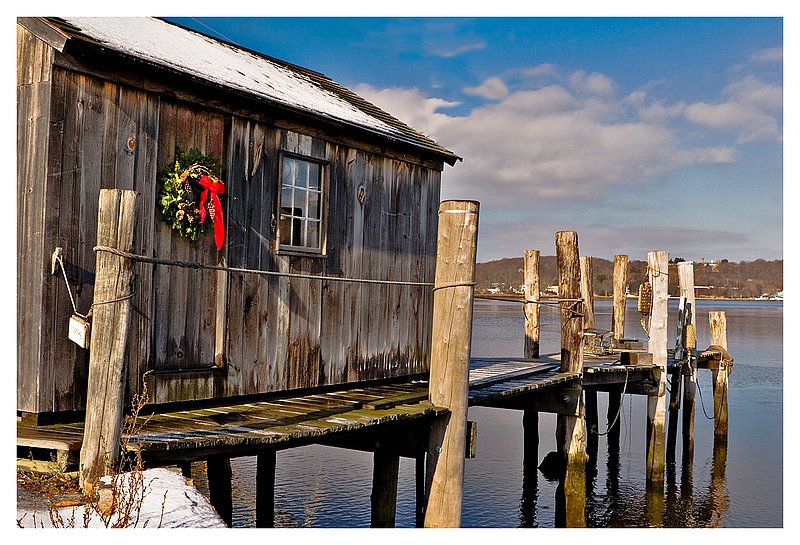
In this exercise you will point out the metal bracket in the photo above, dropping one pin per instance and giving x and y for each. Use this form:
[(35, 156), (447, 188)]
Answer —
[(55, 259)]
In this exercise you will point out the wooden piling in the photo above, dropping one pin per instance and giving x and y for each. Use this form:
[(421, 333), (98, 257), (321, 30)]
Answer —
[(383, 500), (449, 369), (620, 283), (265, 489), (719, 374), (686, 286), (111, 314), (531, 289), (571, 439), (657, 263), (530, 417)]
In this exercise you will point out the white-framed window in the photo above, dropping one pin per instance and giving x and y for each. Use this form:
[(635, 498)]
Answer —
[(301, 206)]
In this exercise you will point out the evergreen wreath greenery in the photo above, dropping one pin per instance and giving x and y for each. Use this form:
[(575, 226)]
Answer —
[(183, 205)]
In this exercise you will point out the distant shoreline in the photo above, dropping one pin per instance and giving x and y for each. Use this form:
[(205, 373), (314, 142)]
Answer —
[(519, 298)]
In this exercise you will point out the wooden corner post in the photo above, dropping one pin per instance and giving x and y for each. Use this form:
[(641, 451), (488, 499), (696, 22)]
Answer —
[(719, 374), (111, 312), (454, 288), (657, 263)]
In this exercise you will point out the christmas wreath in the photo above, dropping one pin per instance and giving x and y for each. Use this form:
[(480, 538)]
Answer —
[(190, 190)]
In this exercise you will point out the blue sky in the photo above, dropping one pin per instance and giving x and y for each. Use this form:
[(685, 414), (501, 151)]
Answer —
[(639, 134)]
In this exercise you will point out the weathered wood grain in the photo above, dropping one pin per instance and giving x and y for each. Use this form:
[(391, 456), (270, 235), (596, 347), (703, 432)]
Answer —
[(620, 284), (106, 389), (657, 263)]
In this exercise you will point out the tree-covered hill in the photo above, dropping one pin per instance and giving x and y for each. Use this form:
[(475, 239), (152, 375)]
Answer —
[(723, 278)]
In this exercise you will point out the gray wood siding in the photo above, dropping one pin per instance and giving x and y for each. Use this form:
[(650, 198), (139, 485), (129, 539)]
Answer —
[(34, 59), (261, 333)]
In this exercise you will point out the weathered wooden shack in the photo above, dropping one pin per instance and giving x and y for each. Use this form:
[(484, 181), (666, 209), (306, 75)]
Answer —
[(105, 103)]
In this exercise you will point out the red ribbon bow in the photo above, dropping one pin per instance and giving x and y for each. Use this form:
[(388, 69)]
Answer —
[(214, 189)]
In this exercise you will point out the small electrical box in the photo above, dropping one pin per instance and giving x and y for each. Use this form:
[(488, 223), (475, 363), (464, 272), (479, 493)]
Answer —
[(79, 329)]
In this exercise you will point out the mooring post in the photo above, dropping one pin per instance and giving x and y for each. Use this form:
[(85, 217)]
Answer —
[(686, 286), (265, 489), (220, 494), (571, 432), (383, 500), (454, 288), (657, 272), (111, 314), (719, 374), (620, 283), (530, 417)]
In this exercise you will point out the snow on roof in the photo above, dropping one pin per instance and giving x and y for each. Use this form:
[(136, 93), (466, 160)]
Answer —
[(224, 64)]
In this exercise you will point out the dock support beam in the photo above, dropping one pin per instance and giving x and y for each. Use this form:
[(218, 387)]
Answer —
[(719, 374), (105, 394), (385, 469), (571, 430), (449, 375), (219, 487), (265, 489), (657, 263)]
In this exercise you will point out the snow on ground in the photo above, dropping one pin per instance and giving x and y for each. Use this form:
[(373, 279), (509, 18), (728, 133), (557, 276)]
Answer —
[(184, 506)]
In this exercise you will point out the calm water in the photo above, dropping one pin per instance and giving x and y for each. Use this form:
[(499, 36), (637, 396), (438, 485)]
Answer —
[(330, 488)]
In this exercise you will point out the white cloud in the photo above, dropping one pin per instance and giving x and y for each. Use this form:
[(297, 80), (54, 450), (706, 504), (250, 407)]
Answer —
[(460, 50), (491, 88), (410, 106), (595, 84), (774, 54), (753, 110)]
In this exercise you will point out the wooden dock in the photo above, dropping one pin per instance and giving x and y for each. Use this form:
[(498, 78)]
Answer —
[(246, 428)]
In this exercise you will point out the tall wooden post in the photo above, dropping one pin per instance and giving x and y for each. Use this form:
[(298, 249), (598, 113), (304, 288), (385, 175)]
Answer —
[(587, 292), (383, 499), (686, 284), (571, 431), (265, 489), (449, 375), (657, 263), (530, 417), (531, 289), (719, 336), (111, 311), (620, 296)]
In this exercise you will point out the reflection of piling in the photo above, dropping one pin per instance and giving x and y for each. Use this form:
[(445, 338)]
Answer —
[(657, 263), (265, 489), (449, 368)]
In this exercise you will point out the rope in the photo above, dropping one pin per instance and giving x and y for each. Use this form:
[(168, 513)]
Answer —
[(69, 290), (195, 265), (619, 409), (94, 304), (702, 403)]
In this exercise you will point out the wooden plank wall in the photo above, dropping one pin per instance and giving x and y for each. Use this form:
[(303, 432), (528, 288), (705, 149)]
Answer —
[(265, 333), (33, 263)]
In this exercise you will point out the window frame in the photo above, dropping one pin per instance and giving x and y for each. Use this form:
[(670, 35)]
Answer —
[(324, 169)]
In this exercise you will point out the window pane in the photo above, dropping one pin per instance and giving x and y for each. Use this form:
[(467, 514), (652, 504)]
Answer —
[(313, 176), (286, 200), (285, 228), (301, 179), (312, 240), (314, 205), (289, 171)]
